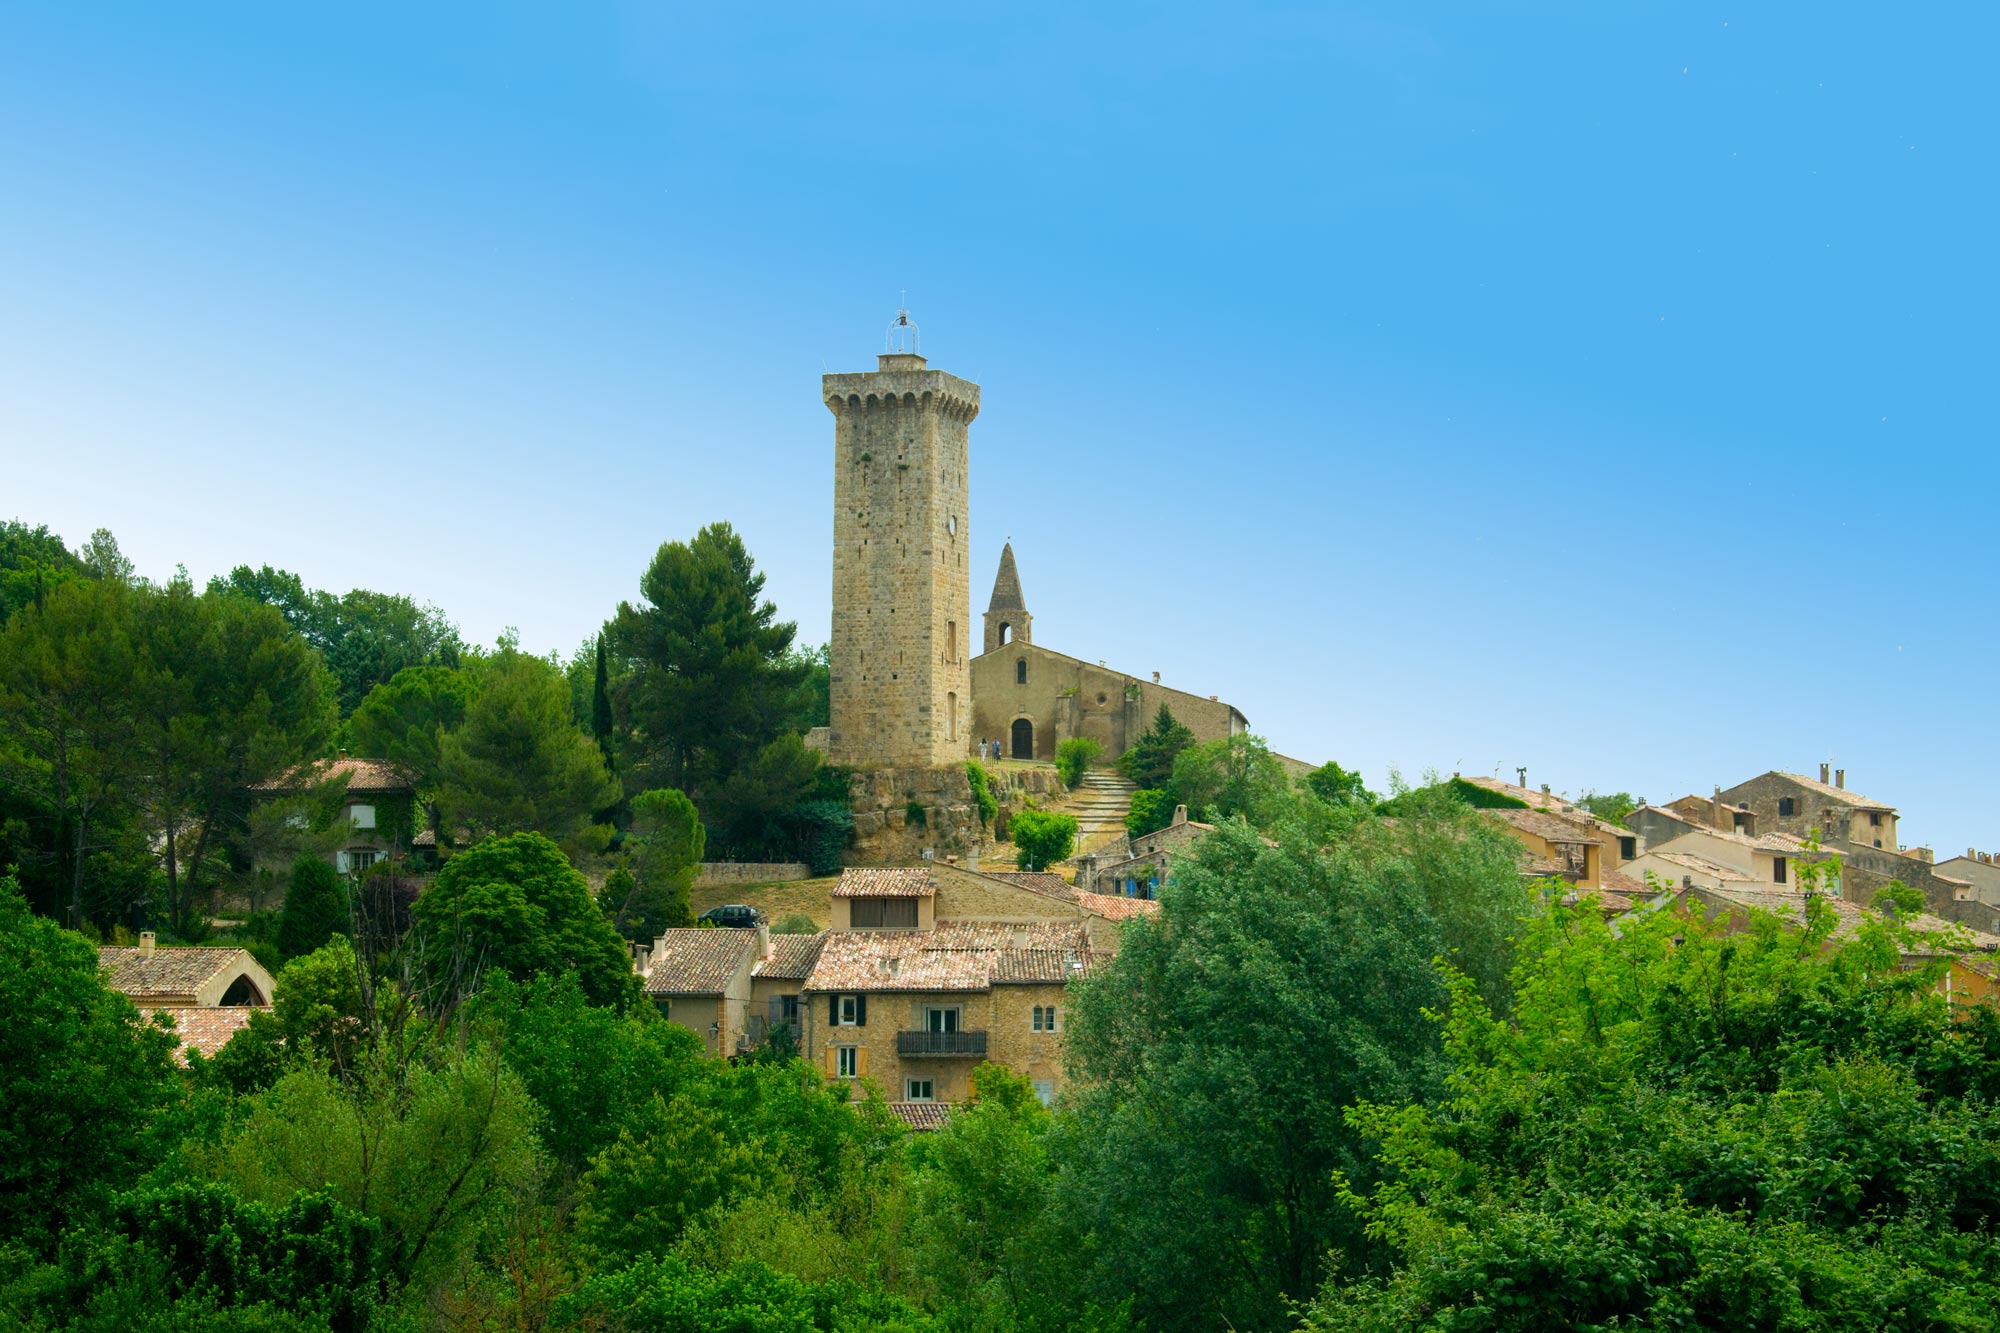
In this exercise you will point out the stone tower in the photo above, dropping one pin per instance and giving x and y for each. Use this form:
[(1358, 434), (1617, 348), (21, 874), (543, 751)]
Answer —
[(902, 594), (1007, 618)]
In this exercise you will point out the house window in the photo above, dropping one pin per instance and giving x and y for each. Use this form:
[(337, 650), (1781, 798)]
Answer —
[(1021, 671), (1777, 870), (1044, 1018), (1045, 1089), (1878, 842), (882, 913), (362, 815), (916, 1090), (356, 862), (847, 1061), (1875, 821), (1787, 806), (788, 1008), (1627, 848), (847, 1013), (664, 1005)]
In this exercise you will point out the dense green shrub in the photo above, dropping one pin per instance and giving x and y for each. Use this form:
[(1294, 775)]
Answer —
[(1073, 758), (982, 792), (1151, 810), (315, 907), (1041, 838)]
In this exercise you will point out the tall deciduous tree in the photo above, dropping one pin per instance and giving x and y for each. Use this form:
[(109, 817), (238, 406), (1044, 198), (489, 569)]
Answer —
[(518, 763), (602, 723), (228, 697), (517, 904), (1234, 775), (711, 680), (67, 725)]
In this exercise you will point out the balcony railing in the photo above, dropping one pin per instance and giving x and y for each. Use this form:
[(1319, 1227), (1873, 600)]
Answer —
[(941, 1043)]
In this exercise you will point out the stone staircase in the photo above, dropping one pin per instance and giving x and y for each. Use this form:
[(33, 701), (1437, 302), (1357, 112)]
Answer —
[(1100, 803)]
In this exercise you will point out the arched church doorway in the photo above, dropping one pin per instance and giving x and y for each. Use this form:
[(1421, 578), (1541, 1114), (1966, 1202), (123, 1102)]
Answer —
[(1024, 738)]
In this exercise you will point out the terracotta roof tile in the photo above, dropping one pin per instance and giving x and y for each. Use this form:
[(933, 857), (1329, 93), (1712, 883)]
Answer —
[(792, 957), (1701, 865), (1831, 792), (697, 961), (1044, 881), (1545, 826), (361, 774), (957, 956), (1116, 906), (203, 1027), (922, 1116), (886, 882), (170, 971)]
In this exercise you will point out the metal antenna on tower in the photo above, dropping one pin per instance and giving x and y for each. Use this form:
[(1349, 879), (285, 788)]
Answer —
[(903, 334)]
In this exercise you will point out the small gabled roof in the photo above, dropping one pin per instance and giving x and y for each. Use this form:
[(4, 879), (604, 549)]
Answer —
[(956, 956), (697, 961), (792, 957), (1116, 906), (1701, 865), (1833, 793), (362, 775), (172, 972), (886, 882), (923, 1117)]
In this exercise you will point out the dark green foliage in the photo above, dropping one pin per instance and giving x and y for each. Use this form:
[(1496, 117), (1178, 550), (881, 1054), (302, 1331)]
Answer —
[(516, 904), (981, 783), (820, 831), (1149, 763), (665, 1294), (797, 923), (1151, 810), (81, 1079), (601, 722), (315, 907), (710, 681), (665, 847), (1452, 791), (1074, 756), (519, 763), (1611, 806), (199, 1247), (32, 562), (1041, 838), (913, 814), (1236, 775), (406, 719), (1212, 1057), (1337, 786), (1899, 897), (365, 637), (1682, 1126), (818, 685)]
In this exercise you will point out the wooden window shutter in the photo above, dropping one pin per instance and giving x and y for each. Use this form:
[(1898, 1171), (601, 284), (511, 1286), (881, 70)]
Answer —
[(832, 1054), (860, 1061), (861, 1011), (833, 1011)]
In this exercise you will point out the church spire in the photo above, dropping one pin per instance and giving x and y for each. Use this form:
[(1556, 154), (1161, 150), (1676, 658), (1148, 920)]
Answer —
[(1007, 618)]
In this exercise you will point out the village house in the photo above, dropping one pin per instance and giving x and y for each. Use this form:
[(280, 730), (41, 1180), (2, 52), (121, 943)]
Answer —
[(204, 995), (1712, 858), (377, 814), (1130, 867), (924, 972)]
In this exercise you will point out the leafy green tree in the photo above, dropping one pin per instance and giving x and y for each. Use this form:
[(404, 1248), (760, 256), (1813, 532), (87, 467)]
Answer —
[(518, 763), (103, 560), (678, 1161), (1042, 838), (82, 1080), (315, 907), (602, 722), (1151, 810), (1611, 806), (1338, 786), (750, 811), (406, 719), (1455, 791), (981, 783), (1235, 775), (711, 680), (1213, 1055), (666, 841), (365, 637), (1897, 896), (227, 698), (1775, 1128), (517, 904), (1150, 761), (32, 562), (795, 923), (432, 1155), (67, 730), (667, 1294), (1074, 756), (818, 663), (198, 1254)]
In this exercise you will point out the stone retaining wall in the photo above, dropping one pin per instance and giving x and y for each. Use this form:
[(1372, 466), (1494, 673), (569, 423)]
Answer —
[(751, 872)]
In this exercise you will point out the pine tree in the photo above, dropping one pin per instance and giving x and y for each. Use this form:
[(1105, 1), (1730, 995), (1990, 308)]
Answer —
[(600, 709)]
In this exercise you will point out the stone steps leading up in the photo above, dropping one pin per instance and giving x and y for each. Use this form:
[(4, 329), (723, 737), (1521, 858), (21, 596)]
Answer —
[(1100, 801)]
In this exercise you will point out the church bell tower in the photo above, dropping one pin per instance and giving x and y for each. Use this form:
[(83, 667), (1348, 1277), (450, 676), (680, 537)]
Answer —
[(901, 681)]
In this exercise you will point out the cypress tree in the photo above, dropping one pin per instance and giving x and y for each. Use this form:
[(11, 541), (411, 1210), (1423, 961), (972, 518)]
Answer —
[(315, 907), (600, 708)]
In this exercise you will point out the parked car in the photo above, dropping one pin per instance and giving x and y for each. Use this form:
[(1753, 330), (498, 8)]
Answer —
[(734, 916)]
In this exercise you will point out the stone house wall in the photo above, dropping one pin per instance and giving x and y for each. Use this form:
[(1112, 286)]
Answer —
[(1005, 1014), (1065, 696)]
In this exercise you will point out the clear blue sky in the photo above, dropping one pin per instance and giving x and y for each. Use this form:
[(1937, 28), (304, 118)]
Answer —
[(1605, 389)]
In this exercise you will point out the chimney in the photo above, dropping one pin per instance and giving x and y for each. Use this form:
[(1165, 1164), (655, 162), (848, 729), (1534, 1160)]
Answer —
[(1180, 814), (763, 939), (639, 960), (1840, 778), (1715, 808), (146, 941), (1826, 772), (1156, 678)]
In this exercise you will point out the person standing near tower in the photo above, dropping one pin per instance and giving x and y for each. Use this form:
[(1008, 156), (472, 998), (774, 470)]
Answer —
[(900, 684)]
